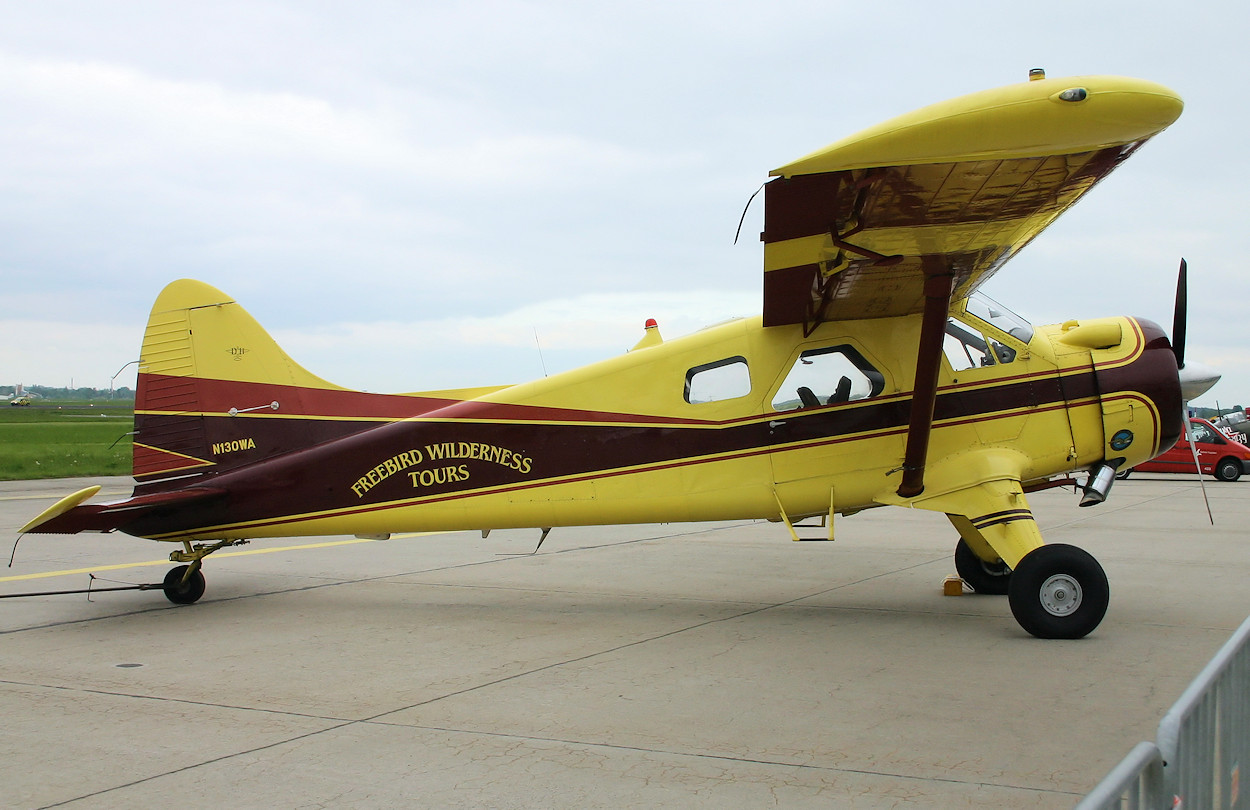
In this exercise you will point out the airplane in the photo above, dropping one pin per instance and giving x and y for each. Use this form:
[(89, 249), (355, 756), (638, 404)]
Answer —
[(876, 375)]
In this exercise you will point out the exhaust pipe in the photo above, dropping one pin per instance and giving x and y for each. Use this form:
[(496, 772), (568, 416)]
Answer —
[(1101, 477)]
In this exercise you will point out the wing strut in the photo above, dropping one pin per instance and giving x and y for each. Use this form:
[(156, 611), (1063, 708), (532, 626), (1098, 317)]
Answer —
[(938, 286)]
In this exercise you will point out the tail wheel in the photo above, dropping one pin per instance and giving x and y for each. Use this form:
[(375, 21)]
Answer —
[(1058, 591), (1229, 469), (182, 589), (984, 577)]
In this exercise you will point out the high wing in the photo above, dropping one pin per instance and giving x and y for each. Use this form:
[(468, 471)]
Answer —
[(957, 188)]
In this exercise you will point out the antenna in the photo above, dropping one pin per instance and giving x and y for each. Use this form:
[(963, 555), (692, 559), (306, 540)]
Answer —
[(746, 208), (540, 355)]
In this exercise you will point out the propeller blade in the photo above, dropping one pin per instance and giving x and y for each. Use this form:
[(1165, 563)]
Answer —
[(1178, 315), (1193, 448)]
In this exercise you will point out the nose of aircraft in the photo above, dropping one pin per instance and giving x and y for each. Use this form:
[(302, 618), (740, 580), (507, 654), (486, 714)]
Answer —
[(1196, 380)]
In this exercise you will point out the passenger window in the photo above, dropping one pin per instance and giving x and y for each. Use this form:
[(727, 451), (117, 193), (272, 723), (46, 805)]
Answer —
[(713, 382), (967, 348), (828, 376)]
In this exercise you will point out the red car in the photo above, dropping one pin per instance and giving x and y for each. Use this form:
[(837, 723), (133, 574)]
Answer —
[(1218, 455)]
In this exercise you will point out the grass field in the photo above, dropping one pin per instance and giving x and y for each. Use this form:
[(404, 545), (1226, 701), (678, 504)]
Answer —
[(65, 439)]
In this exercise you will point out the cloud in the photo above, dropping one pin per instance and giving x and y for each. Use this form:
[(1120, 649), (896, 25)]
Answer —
[(94, 115), (550, 336), (392, 355), (440, 169)]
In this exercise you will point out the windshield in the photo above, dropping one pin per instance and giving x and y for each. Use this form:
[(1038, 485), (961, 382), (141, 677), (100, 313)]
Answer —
[(998, 316)]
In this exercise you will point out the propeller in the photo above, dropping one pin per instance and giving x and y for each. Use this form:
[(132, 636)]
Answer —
[(1195, 380), (1178, 314)]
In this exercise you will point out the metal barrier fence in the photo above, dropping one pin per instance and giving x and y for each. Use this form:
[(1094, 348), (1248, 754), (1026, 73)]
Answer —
[(1202, 741)]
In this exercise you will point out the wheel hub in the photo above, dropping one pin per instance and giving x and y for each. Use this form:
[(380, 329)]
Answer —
[(1061, 595)]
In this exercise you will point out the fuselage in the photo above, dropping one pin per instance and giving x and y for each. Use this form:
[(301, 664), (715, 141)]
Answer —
[(710, 426)]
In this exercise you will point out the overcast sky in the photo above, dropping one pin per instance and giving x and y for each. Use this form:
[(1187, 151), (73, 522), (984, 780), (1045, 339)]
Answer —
[(415, 195)]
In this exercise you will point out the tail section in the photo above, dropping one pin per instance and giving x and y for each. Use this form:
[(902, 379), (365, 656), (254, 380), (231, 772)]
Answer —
[(215, 391)]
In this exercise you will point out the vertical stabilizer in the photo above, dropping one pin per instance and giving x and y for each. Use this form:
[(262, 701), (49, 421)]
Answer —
[(209, 375)]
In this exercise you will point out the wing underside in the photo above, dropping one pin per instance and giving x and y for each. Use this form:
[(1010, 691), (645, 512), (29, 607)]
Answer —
[(852, 231)]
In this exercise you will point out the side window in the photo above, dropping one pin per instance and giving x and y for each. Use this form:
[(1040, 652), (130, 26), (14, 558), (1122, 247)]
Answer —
[(826, 377), (967, 348), (712, 382)]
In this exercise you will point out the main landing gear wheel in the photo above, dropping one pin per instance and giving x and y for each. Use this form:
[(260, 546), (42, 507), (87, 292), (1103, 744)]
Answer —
[(1058, 591), (984, 577), (182, 589)]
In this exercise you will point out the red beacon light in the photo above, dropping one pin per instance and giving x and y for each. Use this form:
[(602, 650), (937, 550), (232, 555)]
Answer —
[(650, 335)]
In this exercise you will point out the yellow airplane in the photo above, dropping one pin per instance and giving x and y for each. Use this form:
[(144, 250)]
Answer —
[(876, 375)]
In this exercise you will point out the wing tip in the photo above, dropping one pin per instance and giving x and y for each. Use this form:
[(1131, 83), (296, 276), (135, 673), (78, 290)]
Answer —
[(1026, 119)]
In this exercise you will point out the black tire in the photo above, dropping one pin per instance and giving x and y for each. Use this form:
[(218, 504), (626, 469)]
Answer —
[(180, 592), (1120, 476), (984, 577), (1229, 469), (1058, 591)]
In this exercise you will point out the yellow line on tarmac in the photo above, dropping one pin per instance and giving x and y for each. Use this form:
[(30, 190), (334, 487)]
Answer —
[(54, 496), (93, 570), (97, 568)]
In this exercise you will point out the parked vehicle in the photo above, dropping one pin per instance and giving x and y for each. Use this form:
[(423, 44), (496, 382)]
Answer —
[(1235, 425), (19, 401), (1218, 455)]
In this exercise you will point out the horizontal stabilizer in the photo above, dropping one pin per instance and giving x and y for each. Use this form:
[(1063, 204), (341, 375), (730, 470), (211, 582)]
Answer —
[(59, 508), (70, 516)]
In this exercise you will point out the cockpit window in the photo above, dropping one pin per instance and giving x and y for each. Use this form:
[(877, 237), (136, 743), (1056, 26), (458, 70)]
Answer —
[(998, 316), (984, 334), (712, 382), (828, 376), (967, 348)]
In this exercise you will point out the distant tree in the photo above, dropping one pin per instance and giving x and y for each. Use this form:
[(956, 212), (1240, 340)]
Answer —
[(78, 394)]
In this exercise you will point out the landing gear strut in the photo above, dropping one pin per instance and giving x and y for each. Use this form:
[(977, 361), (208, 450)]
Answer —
[(184, 584)]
